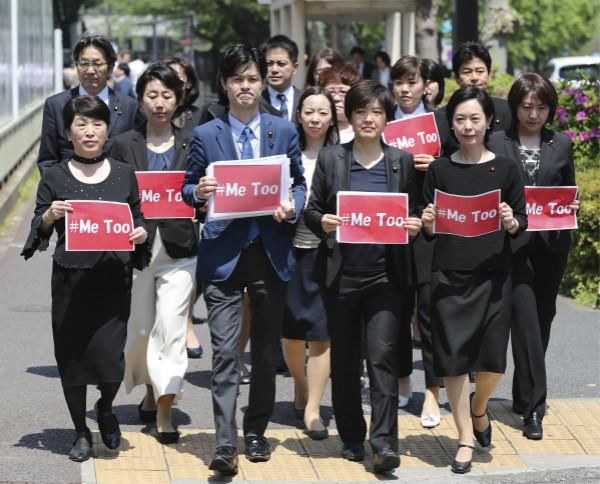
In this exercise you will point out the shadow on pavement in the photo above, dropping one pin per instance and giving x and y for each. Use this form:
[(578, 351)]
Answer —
[(47, 371), (57, 441)]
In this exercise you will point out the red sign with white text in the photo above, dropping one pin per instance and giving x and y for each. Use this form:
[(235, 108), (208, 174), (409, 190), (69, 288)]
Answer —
[(160, 193), (467, 216), (548, 208), (372, 218), (98, 225), (418, 135), (248, 188)]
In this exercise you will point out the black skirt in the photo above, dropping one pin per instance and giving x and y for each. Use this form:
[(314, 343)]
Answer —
[(90, 309), (470, 321), (304, 317)]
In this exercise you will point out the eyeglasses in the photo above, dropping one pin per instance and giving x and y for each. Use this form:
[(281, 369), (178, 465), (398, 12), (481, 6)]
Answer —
[(87, 64), (337, 92)]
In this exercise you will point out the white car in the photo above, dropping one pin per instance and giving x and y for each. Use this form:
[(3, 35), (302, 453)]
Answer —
[(573, 69)]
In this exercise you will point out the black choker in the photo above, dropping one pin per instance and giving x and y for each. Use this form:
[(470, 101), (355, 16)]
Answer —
[(89, 161)]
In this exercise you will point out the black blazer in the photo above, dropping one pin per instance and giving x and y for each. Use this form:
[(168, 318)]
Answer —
[(54, 145), (179, 236), (502, 121), (556, 169), (297, 94), (332, 174)]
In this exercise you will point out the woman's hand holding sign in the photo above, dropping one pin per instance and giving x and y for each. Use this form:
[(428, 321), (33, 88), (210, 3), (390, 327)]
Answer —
[(510, 224), (284, 213), (428, 217), (206, 187), (329, 222), (423, 161), (412, 225)]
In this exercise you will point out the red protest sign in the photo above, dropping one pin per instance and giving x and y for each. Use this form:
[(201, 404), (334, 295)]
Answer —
[(98, 225), (160, 193), (468, 216), (548, 208), (418, 135), (372, 218), (248, 188)]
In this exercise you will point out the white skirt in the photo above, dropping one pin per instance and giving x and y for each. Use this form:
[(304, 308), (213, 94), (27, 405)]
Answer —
[(160, 301)]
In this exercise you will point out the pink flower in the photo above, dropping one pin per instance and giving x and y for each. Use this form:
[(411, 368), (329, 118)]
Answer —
[(571, 134), (583, 136), (580, 116), (595, 133), (580, 97)]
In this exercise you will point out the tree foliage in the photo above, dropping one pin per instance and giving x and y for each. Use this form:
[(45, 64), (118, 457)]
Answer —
[(219, 22), (550, 28)]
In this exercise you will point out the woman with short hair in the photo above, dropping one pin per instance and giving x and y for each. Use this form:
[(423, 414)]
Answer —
[(91, 290), (362, 281), (543, 158)]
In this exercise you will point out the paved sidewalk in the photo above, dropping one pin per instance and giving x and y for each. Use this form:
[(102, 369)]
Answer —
[(571, 439)]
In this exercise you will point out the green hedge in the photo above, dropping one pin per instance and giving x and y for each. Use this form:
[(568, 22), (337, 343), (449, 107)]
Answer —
[(578, 116)]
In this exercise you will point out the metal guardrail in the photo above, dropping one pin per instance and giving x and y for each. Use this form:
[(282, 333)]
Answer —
[(18, 137)]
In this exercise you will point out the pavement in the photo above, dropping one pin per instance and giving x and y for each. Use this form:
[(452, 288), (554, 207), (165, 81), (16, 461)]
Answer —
[(36, 432)]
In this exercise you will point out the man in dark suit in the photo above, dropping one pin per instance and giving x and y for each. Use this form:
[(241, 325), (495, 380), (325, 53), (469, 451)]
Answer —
[(366, 69), (281, 55), (472, 66), (245, 253), (95, 58)]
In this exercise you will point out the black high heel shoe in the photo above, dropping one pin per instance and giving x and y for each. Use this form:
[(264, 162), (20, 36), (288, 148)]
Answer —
[(82, 447), (109, 427), (459, 467), (146, 416), (485, 436)]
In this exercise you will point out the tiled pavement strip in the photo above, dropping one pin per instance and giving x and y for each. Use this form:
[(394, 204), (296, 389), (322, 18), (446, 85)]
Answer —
[(571, 429)]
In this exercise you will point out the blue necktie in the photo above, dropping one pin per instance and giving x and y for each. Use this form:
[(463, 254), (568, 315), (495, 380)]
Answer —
[(247, 153), (283, 108)]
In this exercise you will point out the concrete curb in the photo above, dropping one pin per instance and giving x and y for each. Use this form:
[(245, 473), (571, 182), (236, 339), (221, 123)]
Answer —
[(9, 191)]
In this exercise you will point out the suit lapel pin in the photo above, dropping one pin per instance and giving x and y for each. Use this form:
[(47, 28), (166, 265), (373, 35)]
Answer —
[(395, 167)]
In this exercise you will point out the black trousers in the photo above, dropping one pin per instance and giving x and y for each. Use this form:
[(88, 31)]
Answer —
[(374, 302), (536, 279), (224, 303), (424, 320)]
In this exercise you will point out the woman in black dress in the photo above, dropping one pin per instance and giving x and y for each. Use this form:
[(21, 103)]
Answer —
[(91, 291), (544, 158), (471, 275), (363, 281)]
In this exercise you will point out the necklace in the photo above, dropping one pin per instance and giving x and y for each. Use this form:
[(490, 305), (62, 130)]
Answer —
[(89, 161)]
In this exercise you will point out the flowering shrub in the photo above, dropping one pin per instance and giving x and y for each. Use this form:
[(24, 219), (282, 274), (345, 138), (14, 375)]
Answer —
[(578, 117)]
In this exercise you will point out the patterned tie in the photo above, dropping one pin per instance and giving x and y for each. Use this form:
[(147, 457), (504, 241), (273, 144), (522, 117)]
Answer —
[(283, 107), (247, 152)]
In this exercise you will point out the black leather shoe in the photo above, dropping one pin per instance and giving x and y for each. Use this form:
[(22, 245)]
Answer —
[(194, 353), (353, 451), (485, 436), (167, 437), (459, 467), (244, 375), (82, 447), (146, 416), (225, 461), (109, 428), (257, 448), (385, 460), (532, 427), (317, 434)]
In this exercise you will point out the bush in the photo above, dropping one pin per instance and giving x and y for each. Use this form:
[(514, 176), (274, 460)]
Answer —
[(578, 117)]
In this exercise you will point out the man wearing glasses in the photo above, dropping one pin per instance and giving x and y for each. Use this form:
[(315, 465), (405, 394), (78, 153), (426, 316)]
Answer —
[(95, 58), (281, 55)]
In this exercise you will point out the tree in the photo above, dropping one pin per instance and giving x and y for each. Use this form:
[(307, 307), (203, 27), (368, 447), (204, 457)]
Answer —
[(426, 30), (550, 28), (66, 13)]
